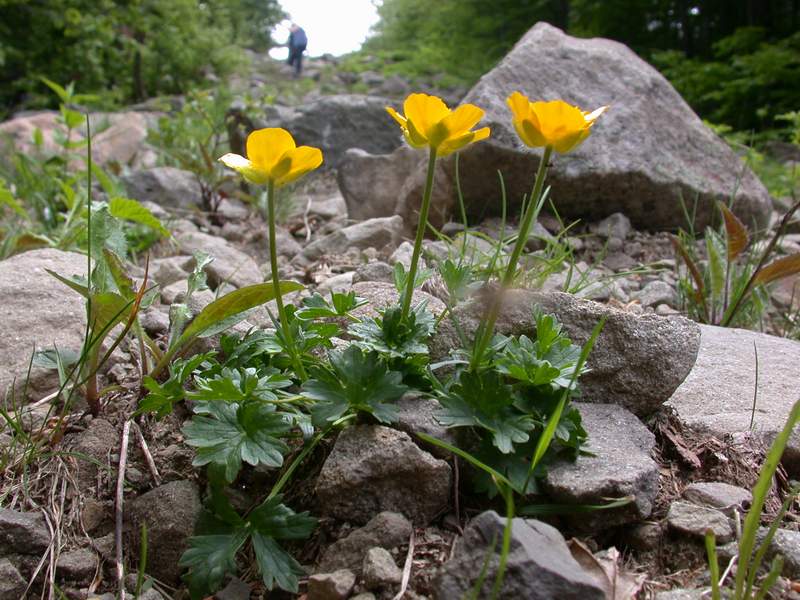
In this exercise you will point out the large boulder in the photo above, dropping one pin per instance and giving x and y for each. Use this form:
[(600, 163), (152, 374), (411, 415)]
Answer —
[(730, 392), (168, 187), (644, 155), (116, 137), (336, 123), (637, 362), (38, 312)]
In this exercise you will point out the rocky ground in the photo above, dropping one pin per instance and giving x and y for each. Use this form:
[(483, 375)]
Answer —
[(667, 406)]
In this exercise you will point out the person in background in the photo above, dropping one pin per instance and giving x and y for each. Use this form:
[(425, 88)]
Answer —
[(297, 45)]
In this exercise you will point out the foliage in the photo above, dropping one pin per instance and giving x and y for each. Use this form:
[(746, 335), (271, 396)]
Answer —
[(126, 50), (751, 554), (223, 532), (728, 288)]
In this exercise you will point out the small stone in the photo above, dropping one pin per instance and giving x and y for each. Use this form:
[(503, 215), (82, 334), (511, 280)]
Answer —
[(665, 310), (170, 511), (78, 566), (379, 569), (416, 414), (539, 566), (614, 244), (331, 586), (644, 536), (363, 596), (12, 585), (386, 530), (680, 594), (375, 468), (403, 255), (235, 590), (374, 271), (154, 321), (695, 520), (786, 543), (655, 293), (716, 494), (22, 532), (338, 283), (616, 225)]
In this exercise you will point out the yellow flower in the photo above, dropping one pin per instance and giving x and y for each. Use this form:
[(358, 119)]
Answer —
[(428, 122), (554, 123), (273, 156)]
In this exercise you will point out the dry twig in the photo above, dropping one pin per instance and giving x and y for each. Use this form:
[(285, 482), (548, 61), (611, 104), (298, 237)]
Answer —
[(123, 459)]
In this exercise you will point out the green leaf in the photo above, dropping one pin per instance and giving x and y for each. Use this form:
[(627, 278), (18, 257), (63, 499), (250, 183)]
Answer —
[(393, 336), (316, 307), (123, 281), (275, 564), (163, 396), (716, 270), (60, 91), (358, 383), (132, 210), (209, 559), (232, 304), (7, 198), (239, 385), (231, 434), (72, 118)]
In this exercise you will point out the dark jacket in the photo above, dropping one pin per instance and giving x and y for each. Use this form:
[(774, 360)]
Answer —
[(298, 40)]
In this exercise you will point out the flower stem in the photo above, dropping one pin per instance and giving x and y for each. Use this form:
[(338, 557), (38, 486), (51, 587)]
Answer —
[(276, 282), (421, 226), (531, 210)]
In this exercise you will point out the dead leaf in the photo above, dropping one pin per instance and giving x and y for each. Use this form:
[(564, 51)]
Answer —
[(736, 233), (778, 269), (604, 568)]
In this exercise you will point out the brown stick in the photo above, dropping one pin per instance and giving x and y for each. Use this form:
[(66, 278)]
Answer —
[(151, 465), (406, 568)]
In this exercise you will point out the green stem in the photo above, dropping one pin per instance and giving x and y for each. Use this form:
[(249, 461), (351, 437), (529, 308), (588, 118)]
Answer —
[(508, 495), (421, 226), (276, 282), (532, 209), (300, 457)]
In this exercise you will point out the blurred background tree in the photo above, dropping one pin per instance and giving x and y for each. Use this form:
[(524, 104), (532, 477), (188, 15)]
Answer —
[(736, 62), (124, 50)]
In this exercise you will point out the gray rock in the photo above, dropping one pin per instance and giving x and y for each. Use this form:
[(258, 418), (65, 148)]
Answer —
[(78, 566), (168, 187), (154, 321), (719, 495), (403, 255), (379, 569), (616, 226), (717, 395), (695, 520), (339, 283), (22, 533), (416, 414), (374, 233), (363, 596), (371, 184), (644, 536), (93, 446), (386, 530), (540, 566), (645, 154), (170, 512), (33, 319), (383, 295), (165, 271), (230, 265), (619, 466), (443, 197), (373, 469), (336, 123), (637, 362), (786, 542), (374, 271), (655, 293), (331, 586), (12, 585), (235, 590)]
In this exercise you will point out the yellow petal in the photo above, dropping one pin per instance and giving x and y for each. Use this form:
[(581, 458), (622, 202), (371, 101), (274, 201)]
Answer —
[(569, 141), (265, 147), (302, 160), (424, 111), (462, 119), (558, 119), (530, 133), (246, 168), (414, 137), (520, 106), (457, 143), (397, 117)]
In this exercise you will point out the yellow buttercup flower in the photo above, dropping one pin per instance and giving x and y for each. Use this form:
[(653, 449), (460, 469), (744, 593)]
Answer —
[(428, 122), (273, 156), (553, 123)]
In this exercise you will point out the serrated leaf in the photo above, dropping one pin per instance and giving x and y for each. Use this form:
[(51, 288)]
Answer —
[(231, 434), (275, 564), (359, 383), (234, 303), (121, 279), (278, 521), (239, 385), (778, 269), (716, 270), (736, 233), (131, 210), (209, 559)]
